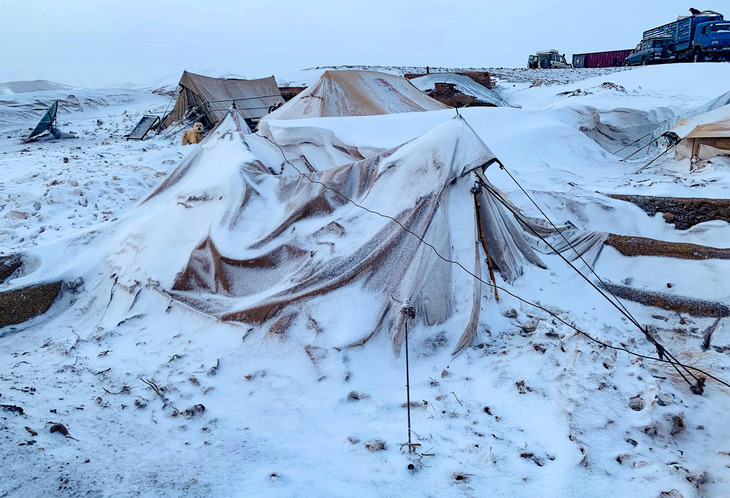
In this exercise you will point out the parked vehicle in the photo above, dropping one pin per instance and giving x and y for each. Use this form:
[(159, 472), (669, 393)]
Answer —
[(653, 51), (704, 35), (611, 58), (547, 59)]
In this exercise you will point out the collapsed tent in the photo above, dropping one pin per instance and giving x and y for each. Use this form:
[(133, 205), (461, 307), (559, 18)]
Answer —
[(703, 136), (370, 237), (356, 93), (205, 99), (463, 84)]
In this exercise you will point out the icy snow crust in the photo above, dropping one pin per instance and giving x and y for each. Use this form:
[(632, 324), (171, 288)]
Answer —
[(531, 409)]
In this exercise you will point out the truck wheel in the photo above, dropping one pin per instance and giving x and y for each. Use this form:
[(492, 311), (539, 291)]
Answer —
[(699, 56), (644, 61)]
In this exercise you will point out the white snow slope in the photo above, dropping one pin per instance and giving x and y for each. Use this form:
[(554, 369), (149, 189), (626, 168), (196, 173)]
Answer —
[(531, 409)]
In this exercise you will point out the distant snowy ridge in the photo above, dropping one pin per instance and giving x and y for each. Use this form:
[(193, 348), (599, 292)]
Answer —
[(13, 87)]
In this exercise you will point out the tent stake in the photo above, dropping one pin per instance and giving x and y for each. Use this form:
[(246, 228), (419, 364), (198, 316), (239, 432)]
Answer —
[(410, 313)]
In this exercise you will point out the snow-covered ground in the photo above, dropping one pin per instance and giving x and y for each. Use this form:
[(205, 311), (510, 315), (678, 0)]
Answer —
[(533, 408)]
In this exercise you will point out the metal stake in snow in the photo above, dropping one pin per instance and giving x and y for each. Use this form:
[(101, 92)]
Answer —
[(410, 313)]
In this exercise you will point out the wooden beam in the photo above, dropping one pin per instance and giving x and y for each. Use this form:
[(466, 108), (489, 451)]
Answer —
[(642, 246), (680, 304), (684, 212)]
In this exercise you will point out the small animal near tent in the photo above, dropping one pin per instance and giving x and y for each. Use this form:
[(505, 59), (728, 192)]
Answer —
[(206, 99), (356, 93)]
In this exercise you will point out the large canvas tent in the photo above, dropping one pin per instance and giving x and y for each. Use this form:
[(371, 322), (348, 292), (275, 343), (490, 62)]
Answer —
[(356, 93), (207, 99), (363, 236)]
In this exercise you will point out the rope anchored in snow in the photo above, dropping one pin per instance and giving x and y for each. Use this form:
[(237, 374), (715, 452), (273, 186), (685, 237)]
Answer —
[(697, 389), (698, 386)]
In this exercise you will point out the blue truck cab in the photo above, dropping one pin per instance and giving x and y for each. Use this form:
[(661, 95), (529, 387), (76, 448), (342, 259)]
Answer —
[(712, 41), (704, 35)]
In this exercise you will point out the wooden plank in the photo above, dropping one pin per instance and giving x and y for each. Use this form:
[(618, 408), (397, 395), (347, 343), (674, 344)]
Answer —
[(680, 304), (642, 246), (684, 212)]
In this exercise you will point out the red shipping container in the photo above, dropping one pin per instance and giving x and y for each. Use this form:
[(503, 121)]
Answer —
[(601, 59)]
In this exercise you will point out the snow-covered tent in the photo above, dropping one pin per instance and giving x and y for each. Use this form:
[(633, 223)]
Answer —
[(463, 83), (208, 99), (356, 93), (237, 231), (703, 136)]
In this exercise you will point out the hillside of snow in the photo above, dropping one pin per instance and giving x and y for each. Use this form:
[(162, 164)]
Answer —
[(162, 399)]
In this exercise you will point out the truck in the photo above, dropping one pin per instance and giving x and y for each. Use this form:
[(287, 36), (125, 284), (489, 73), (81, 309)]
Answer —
[(547, 59), (701, 36), (610, 58)]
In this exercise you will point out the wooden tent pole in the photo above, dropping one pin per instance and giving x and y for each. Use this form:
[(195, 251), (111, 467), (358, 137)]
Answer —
[(484, 244)]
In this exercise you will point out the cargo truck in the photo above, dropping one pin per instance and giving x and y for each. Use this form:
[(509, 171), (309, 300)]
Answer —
[(702, 36)]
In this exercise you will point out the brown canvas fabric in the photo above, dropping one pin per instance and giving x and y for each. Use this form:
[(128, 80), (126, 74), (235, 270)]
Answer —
[(212, 97), (357, 93), (294, 252)]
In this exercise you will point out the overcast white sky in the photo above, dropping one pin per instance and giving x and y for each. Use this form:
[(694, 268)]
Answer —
[(100, 43)]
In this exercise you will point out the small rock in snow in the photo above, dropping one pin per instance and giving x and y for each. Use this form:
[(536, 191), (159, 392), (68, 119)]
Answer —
[(664, 399), (59, 428), (356, 396), (194, 411), (636, 403), (678, 425), (670, 494)]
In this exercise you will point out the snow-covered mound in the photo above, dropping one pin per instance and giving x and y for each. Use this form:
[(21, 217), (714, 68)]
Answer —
[(621, 107)]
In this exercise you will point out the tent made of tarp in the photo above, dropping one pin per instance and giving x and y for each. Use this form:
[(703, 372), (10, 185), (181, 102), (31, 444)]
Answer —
[(463, 83), (341, 251), (703, 136), (207, 99), (356, 93)]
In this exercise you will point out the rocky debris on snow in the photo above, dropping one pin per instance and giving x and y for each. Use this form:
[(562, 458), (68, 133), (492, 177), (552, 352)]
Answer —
[(60, 428), (678, 424), (636, 403), (13, 408), (375, 445), (194, 411), (673, 493), (356, 396)]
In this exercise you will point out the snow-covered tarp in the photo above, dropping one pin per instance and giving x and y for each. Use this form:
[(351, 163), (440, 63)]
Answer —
[(463, 83)]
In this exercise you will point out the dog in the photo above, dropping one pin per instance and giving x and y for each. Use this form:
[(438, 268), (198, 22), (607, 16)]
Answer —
[(193, 135)]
